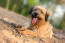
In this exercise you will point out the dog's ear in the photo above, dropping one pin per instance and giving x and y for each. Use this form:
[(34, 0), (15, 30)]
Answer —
[(31, 9), (47, 15)]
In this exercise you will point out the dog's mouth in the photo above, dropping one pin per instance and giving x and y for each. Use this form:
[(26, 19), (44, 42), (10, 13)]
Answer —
[(34, 20)]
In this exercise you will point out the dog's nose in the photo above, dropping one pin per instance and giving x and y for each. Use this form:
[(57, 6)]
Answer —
[(34, 15)]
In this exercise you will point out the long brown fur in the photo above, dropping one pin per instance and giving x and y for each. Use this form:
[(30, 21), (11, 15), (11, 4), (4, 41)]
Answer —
[(42, 28)]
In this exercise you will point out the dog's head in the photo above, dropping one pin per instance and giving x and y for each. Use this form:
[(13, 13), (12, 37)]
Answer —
[(38, 13)]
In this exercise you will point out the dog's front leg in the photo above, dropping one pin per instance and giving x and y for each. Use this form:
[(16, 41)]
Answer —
[(26, 31)]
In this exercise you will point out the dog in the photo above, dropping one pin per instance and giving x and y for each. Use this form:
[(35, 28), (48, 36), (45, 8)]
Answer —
[(40, 27)]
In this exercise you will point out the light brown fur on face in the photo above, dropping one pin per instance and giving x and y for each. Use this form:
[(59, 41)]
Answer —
[(41, 28)]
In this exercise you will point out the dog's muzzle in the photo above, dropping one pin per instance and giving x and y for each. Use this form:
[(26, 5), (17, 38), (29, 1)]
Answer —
[(34, 15)]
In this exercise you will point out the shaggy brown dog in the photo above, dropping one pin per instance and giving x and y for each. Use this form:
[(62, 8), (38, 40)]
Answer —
[(39, 24)]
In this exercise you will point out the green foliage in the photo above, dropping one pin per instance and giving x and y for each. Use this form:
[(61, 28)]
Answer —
[(27, 6), (47, 1), (2, 3), (18, 5), (10, 4), (62, 24), (31, 2)]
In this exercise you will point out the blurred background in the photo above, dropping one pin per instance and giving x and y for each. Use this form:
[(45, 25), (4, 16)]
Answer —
[(56, 8)]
